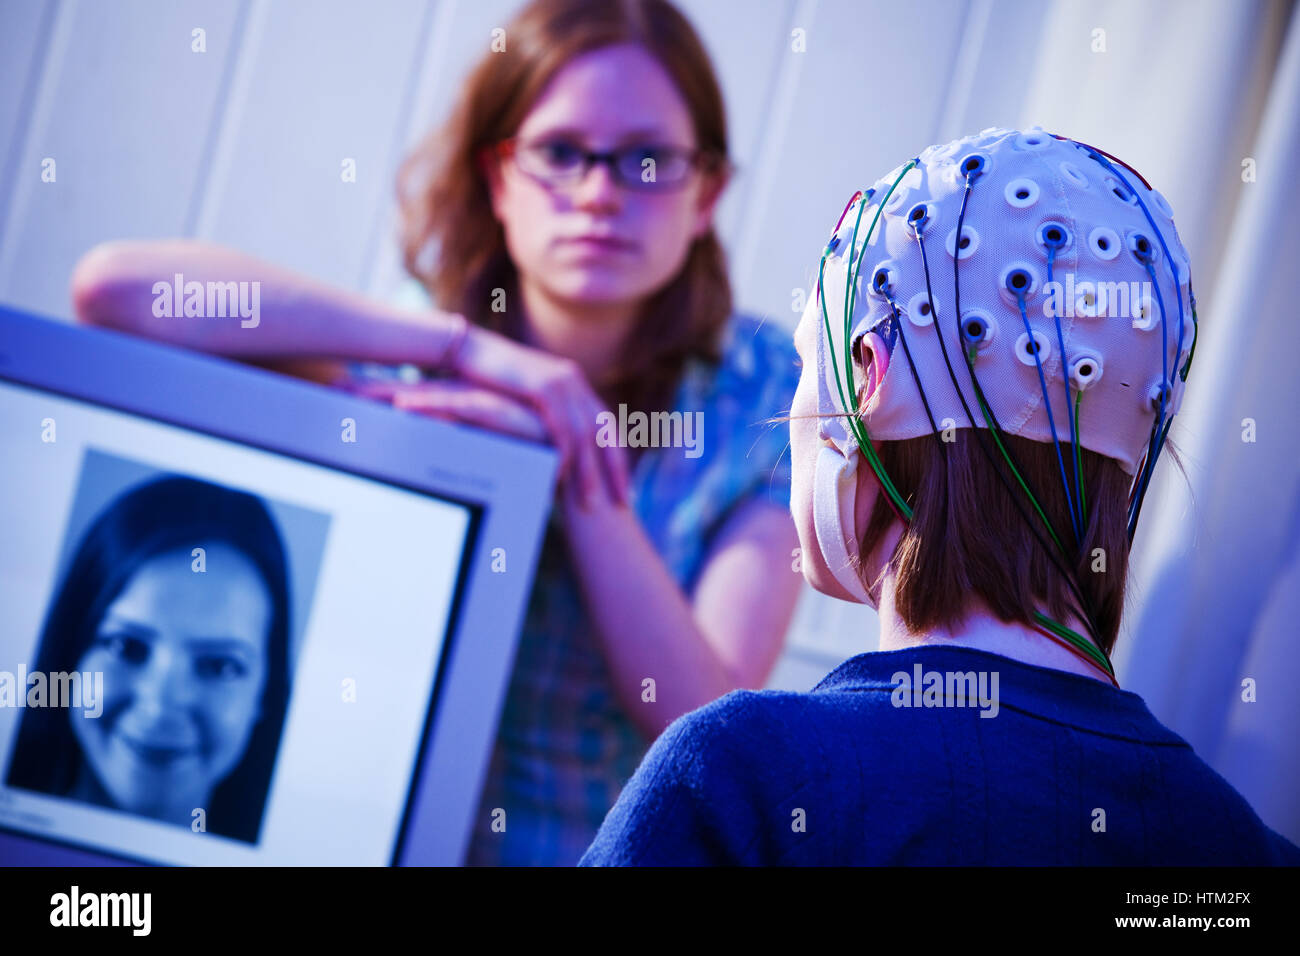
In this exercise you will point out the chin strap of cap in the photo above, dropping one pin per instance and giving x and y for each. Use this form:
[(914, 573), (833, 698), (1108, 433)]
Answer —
[(834, 492)]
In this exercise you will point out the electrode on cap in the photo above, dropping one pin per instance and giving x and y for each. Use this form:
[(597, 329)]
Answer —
[(1085, 371), (1039, 351), (1158, 394), (978, 328), (919, 309), (882, 280)]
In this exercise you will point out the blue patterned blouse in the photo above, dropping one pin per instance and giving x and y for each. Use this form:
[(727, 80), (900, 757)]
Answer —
[(565, 748)]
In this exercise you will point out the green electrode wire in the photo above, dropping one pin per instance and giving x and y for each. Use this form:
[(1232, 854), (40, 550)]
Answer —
[(868, 450), (855, 423), (988, 419)]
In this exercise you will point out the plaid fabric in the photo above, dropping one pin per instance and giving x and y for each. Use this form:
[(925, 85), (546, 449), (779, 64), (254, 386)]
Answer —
[(565, 748)]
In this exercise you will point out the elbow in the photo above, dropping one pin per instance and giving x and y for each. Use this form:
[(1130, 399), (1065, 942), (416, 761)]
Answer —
[(102, 285)]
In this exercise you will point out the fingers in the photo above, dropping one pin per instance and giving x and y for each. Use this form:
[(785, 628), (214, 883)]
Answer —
[(584, 428), (559, 402), (556, 391), (597, 470), (550, 410), (478, 408), (555, 388), (458, 402)]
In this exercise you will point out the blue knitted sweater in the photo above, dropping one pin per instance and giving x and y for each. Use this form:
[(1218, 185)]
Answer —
[(973, 758)]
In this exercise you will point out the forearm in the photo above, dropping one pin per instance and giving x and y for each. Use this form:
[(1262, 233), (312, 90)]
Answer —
[(645, 623), (299, 317)]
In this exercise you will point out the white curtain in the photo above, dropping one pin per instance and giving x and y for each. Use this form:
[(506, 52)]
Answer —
[(1222, 599), (1203, 98)]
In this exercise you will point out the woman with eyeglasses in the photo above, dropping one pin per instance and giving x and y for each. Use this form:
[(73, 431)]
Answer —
[(562, 222)]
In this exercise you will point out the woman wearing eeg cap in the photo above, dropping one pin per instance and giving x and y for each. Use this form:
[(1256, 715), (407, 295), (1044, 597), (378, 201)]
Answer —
[(983, 499)]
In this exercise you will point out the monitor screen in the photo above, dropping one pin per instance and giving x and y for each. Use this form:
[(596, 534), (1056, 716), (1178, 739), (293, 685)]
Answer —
[(211, 653)]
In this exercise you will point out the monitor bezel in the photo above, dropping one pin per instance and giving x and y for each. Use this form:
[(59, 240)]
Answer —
[(506, 483)]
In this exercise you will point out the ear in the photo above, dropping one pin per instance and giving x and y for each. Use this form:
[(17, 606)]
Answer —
[(872, 356), (712, 186)]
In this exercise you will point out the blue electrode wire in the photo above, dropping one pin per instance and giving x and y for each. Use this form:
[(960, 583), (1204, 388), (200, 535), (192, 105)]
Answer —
[(1051, 418), (1160, 429), (1182, 374), (1082, 523), (912, 365), (943, 348), (929, 294), (985, 408)]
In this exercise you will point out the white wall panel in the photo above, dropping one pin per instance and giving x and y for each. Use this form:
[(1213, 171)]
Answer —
[(318, 82), (861, 104), (124, 108), (23, 44)]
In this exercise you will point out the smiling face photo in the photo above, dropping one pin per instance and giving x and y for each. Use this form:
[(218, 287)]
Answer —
[(179, 594), (184, 658)]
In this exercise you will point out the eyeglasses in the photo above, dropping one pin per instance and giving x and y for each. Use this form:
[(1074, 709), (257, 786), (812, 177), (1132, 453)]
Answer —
[(644, 167)]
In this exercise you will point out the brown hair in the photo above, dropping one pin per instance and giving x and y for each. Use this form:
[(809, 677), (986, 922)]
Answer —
[(967, 538), (445, 200)]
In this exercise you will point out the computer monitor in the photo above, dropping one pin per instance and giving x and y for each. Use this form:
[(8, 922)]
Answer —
[(246, 620)]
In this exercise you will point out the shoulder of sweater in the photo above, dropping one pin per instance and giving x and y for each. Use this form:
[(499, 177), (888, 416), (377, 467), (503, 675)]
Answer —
[(746, 727), (764, 729)]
